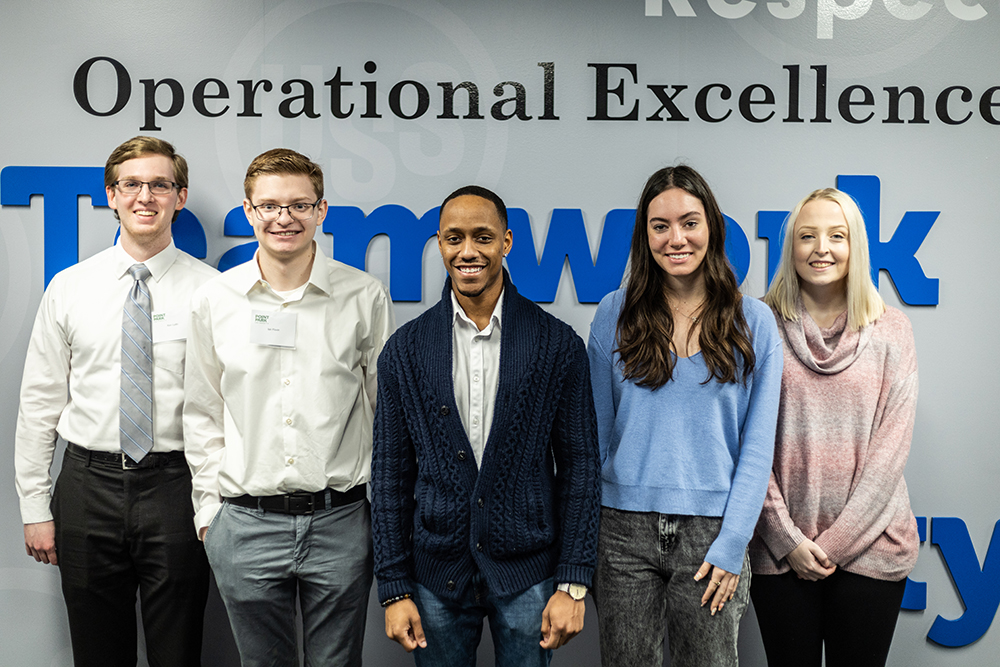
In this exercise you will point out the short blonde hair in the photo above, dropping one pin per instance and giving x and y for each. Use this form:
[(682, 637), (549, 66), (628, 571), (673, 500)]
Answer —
[(283, 161), (864, 305)]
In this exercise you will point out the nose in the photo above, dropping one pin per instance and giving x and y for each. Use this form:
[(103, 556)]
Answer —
[(144, 194), (821, 246), (675, 236), (468, 248)]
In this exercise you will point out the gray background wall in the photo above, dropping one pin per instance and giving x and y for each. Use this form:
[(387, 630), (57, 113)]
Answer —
[(542, 165)]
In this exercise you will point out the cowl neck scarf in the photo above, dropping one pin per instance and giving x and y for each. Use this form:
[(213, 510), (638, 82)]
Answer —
[(826, 351)]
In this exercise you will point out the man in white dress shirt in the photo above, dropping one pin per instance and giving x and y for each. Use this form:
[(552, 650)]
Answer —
[(278, 422), (120, 517)]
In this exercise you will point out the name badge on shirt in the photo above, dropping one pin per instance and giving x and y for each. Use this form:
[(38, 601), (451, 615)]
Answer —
[(170, 325), (273, 329)]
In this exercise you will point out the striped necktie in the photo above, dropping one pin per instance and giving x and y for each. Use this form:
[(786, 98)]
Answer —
[(135, 419)]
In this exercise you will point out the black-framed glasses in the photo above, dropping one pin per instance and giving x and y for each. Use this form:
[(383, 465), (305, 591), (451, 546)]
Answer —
[(158, 188), (299, 212)]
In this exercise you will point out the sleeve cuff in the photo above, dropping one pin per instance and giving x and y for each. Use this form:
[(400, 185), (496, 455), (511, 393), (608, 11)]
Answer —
[(36, 509), (205, 516), (391, 589)]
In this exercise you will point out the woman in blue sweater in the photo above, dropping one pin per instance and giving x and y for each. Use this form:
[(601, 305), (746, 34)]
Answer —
[(686, 375)]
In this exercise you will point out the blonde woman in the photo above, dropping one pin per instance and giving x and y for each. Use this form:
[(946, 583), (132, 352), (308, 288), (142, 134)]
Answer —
[(836, 537)]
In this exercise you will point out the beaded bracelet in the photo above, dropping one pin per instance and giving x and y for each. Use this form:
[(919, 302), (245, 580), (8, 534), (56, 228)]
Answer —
[(398, 598)]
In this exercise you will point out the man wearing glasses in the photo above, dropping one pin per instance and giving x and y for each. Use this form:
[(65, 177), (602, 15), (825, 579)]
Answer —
[(104, 370), (278, 421)]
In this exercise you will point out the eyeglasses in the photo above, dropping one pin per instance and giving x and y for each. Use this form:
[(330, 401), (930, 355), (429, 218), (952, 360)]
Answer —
[(299, 212), (157, 188)]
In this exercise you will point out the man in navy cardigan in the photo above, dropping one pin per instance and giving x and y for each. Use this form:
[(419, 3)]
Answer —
[(485, 472)]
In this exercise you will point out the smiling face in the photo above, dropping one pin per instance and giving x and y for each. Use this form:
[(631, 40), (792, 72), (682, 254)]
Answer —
[(473, 242), (821, 247), (284, 239), (677, 229), (146, 218)]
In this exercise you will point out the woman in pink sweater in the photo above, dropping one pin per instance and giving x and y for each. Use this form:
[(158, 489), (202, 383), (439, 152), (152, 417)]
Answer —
[(836, 537)]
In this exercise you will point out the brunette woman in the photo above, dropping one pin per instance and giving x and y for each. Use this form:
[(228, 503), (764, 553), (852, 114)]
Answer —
[(686, 374), (836, 538)]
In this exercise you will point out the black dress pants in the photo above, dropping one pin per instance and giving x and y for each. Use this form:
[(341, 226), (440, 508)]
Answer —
[(852, 616), (118, 531)]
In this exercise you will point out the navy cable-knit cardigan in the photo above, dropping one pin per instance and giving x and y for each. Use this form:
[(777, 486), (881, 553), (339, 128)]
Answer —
[(532, 510)]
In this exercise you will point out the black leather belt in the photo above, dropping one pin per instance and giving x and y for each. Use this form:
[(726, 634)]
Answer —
[(302, 502), (123, 461)]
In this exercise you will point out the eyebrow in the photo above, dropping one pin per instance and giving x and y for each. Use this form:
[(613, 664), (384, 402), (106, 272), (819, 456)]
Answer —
[(459, 230), (686, 216)]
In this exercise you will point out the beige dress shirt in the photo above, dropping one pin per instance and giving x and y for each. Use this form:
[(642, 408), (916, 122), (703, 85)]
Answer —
[(266, 420)]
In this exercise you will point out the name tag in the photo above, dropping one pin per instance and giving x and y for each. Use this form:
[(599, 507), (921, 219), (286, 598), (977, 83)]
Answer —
[(170, 325), (273, 329)]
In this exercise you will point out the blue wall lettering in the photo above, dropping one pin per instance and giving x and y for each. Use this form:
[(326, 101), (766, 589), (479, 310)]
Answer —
[(538, 277), (915, 594), (978, 587), (60, 188)]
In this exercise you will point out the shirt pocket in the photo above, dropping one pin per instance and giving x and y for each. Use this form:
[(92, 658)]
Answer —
[(169, 355)]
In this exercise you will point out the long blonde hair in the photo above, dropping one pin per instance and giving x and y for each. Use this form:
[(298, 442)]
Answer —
[(864, 305)]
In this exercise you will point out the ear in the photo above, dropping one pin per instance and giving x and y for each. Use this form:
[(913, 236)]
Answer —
[(508, 241), (321, 210), (182, 197)]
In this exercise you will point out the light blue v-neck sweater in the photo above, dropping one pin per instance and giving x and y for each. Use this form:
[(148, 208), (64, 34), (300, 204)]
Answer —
[(689, 447)]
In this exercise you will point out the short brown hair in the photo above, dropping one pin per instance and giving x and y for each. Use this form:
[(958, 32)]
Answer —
[(283, 161), (140, 147)]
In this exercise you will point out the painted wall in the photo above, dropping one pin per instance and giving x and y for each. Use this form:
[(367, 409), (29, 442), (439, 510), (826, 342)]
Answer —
[(564, 108)]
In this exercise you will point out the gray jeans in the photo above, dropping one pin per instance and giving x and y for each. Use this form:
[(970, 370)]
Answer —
[(646, 564)]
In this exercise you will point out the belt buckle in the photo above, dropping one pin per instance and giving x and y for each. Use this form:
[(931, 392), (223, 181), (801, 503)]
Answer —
[(128, 463), (309, 503)]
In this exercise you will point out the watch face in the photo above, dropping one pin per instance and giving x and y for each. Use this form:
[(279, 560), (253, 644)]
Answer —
[(577, 591)]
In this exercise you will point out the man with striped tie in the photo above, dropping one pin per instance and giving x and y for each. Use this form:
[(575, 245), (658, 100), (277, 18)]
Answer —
[(105, 371)]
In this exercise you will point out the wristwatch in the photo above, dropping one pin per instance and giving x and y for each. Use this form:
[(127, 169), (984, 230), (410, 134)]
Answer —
[(575, 591)]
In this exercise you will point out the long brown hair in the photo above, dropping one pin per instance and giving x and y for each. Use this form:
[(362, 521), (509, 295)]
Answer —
[(646, 326)]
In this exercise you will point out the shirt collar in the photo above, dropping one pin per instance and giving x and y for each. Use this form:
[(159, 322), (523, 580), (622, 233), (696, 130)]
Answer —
[(459, 313), (158, 264), (248, 275)]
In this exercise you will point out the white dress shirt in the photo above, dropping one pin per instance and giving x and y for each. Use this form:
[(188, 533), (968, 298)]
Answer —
[(72, 371), (265, 420), (476, 372)]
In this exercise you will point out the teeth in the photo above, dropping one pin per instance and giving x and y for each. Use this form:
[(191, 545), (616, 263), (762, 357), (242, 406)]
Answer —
[(146, 214), (286, 233), (470, 269)]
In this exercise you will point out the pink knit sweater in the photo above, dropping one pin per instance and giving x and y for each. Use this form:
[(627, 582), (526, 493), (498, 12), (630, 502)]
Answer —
[(844, 426)]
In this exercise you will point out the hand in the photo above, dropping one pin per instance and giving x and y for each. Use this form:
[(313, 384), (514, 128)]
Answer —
[(721, 586), (562, 620), (201, 533), (810, 562), (402, 624), (40, 542)]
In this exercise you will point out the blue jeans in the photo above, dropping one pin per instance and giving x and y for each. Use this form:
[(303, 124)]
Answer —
[(262, 560), (645, 568), (453, 629)]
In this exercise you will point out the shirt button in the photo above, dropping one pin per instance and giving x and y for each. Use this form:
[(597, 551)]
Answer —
[(461, 455), (288, 421), (480, 502), (479, 547), (291, 461), (475, 378), (475, 420), (450, 585), (287, 381), (445, 411)]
